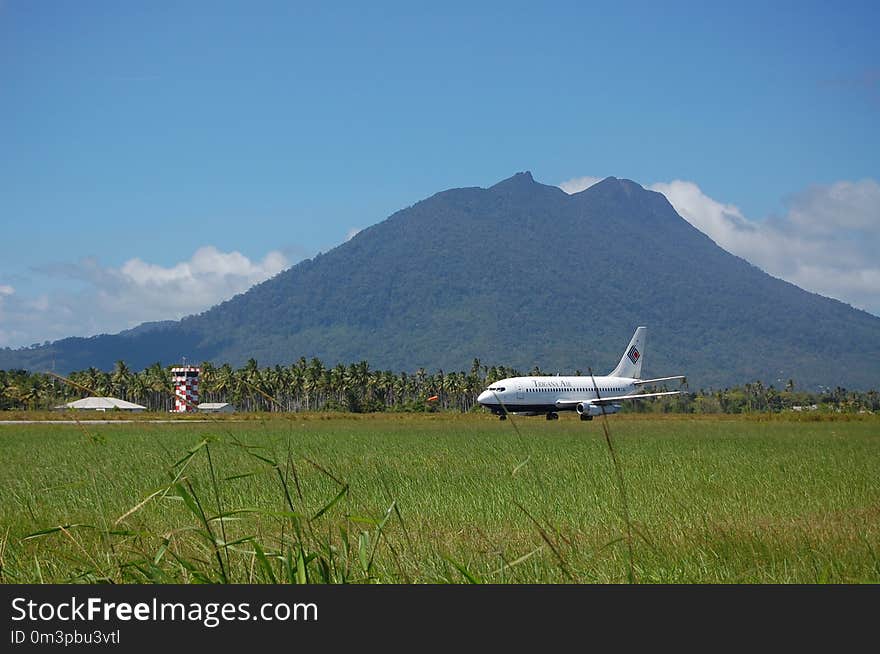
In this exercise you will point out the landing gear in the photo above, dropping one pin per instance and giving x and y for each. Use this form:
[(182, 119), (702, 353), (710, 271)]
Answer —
[(502, 416), (552, 416), (584, 416)]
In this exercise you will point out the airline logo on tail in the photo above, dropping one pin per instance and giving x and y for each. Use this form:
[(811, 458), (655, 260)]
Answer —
[(633, 354)]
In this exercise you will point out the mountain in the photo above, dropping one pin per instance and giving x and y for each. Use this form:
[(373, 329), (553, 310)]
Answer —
[(519, 274)]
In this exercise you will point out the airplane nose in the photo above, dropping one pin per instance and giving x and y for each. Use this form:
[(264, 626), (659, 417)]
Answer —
[(484, 397)]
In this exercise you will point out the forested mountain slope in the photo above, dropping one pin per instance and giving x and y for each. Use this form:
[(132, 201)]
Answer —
[(519, 274)]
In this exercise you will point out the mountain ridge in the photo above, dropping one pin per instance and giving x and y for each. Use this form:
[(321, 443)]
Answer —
[(523, 274)]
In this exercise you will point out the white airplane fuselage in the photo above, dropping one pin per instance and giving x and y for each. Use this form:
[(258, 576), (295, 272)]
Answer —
[(536, 395)]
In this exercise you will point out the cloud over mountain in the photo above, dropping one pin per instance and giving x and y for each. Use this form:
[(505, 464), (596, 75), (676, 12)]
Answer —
[(109, 299), (825, 242), (578, 184)]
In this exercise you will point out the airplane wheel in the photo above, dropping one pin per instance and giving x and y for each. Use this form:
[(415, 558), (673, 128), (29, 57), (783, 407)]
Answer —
[(502, 417), (552, 416), (586, 417)]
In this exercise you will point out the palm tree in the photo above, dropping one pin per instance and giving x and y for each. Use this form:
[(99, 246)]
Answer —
[(4, 386), (120, 379), (14, 393), (247, 379), (296, 376), (337, 382), (158, 381), (313, 382), (223, 382), (206, 382), (31, 391), (138, 389)]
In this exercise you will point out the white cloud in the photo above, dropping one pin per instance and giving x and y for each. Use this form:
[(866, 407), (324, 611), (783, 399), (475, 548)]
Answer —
[(201, 276), (6, 289), (578, 184), (826, 241), (118, 298)]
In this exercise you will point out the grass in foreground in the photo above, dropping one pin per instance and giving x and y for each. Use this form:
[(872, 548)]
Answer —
[(433, 498)]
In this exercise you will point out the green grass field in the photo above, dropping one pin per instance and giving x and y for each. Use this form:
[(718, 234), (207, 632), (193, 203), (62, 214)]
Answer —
[(442, 498)]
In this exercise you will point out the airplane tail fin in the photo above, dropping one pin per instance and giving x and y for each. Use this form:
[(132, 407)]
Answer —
[(631, 362)]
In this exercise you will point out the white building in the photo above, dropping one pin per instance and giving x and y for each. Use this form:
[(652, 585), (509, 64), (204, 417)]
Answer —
[(102, 404), (216, 407)]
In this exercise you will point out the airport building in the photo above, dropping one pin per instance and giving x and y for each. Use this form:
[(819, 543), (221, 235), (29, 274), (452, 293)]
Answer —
[(102, 404)]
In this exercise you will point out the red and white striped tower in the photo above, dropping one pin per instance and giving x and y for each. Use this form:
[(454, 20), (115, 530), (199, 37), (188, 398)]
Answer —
[(186, 388)]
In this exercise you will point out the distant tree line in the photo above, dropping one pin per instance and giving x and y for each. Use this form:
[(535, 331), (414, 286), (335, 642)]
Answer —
[(755, 397), (309, 385), (303, 386)]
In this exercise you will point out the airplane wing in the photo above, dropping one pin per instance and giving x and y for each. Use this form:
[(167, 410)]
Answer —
[(641, 382), (611, 400)]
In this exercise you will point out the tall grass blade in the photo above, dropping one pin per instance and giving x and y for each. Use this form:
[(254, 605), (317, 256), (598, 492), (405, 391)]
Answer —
[(467, 574), (332, 502), (621, 486), (543, 532), (264, 563), (522, 559)]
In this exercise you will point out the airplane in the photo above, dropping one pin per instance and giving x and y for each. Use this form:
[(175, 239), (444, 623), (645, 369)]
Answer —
[(589, 396)]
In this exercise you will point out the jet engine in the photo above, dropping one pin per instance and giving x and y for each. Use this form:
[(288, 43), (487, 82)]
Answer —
[(590, 409)]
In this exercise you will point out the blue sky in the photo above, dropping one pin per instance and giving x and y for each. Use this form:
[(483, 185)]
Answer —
[(187, 150)]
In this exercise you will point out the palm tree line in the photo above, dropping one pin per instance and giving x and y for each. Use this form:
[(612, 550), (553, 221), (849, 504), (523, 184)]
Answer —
[(305, 385), (310, 385)]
